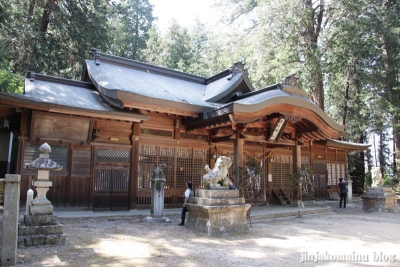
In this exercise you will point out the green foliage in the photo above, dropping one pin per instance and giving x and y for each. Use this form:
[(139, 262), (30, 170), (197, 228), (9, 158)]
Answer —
[(250, 175), (368, 179), (390, 181), (9, 81), (132, 23), (302, 182)]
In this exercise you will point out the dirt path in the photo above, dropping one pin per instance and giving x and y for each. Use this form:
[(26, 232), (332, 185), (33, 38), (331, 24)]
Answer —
[(350, 235)]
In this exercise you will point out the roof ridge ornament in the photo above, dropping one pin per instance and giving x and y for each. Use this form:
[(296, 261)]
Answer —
[(291, 84), (236, 68), (291, 80), (95, 56)]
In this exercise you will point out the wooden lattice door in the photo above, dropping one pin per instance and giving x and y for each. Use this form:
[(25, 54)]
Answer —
[(111, 180)]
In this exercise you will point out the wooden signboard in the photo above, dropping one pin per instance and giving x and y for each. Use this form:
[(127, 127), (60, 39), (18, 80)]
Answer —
[(47, 126)]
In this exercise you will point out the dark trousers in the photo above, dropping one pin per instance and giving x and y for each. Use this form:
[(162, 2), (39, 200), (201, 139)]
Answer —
[(183, 215), (343, 196)]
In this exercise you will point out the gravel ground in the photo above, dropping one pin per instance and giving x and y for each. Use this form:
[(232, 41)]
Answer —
[(339, 238)]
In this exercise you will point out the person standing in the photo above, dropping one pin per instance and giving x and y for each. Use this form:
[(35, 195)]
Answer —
[(186, 196), (343, 193), (231, 184)]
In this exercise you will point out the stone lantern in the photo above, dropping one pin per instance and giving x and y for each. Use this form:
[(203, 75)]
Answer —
[(41, 226), (43, 165)]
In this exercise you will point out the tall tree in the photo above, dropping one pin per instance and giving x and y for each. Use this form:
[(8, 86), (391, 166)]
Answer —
[(288, 36), (53, 37), (133, 21)]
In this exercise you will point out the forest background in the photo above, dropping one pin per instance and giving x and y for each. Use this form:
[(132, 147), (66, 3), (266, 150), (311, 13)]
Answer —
[(345, 52)]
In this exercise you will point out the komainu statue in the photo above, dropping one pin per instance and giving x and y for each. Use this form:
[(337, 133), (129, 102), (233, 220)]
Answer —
[(217, 174), (376, 176), (158, 171)]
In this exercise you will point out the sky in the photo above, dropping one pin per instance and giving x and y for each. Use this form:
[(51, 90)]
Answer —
[(184, 11)]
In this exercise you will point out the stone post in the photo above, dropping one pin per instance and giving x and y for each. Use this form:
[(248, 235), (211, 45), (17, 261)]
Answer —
[(157, 198), (10, 220), (29, 198), (349, 190), (157, 192)]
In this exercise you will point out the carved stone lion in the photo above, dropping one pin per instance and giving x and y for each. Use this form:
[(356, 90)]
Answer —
[(376, 176), (158, 171), (218, 173)]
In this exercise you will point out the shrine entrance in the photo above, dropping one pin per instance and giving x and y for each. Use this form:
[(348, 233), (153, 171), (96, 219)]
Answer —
[(111, 179)]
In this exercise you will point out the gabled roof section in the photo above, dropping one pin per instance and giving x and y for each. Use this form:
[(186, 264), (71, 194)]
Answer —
[(127, 83), (228, 85), (133, 84), (59, 95), (285, 98)]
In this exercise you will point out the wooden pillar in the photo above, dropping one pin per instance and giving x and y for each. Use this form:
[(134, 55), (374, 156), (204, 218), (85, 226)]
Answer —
[(238, 157), (297, 162), (134, 166), (269, 179)]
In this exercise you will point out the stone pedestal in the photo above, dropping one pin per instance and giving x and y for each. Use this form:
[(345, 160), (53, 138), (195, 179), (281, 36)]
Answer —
[(379, 199), (157, 197), (40, 230), (217, 212), (349, 191)]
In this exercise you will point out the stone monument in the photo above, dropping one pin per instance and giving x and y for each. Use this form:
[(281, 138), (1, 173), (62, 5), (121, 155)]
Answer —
[(378, 197), (157, 192), (40, 224), (217, 210)]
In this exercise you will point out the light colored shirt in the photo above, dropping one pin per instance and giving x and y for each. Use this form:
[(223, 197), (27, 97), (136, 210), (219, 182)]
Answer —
[(187, 193)]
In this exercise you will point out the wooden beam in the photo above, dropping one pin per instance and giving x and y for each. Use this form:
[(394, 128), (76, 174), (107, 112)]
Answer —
[(308, 129), (222, 138), (157, 108)]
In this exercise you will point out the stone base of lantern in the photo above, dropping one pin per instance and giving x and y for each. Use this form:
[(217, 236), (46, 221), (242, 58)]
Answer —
[(40, 230)]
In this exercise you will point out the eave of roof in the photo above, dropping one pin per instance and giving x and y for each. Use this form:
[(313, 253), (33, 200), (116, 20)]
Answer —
[(269, 98), (276, 98), (346, 145), (59, 95)]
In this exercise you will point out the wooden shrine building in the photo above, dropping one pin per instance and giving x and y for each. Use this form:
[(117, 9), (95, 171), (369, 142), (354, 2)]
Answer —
[(112, 128)]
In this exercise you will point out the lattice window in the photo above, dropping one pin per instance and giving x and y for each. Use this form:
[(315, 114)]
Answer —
[(147, 164), (189, 165), (120, 179), (167, 156), (335, 171), (58, 154), (102, 180), (183, 166), (200, 159), (156, 132), (194, 136), (343, 170), (305, 161), (281, 167), (111, 155), (330, 177), (319, 167)]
